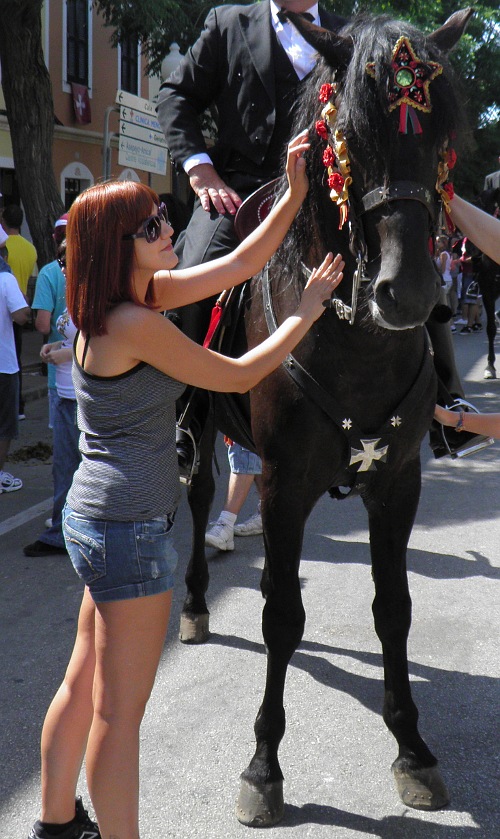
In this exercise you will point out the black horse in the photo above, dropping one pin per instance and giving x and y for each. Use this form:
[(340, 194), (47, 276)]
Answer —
[(347, 413), (487, 274)]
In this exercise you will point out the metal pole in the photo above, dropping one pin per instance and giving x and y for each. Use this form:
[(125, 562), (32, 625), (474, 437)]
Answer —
[(106, 142)]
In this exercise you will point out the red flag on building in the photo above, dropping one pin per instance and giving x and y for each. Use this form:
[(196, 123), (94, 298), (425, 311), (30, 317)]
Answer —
[(81, 103)]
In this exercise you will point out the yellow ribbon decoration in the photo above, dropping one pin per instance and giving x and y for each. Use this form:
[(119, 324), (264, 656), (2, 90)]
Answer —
[(339, 146)]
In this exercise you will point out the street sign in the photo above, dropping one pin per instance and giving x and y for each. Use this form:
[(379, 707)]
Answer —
[(141, 126), (141, 142)]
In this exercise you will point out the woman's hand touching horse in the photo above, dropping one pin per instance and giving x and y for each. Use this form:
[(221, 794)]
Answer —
[(320, 287), (296, 165)]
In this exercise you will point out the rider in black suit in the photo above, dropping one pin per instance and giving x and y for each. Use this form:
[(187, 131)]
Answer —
[(239, 67)]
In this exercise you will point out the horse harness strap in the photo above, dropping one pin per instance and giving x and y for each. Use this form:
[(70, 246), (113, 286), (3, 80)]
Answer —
[(397, 191), (364, 450)]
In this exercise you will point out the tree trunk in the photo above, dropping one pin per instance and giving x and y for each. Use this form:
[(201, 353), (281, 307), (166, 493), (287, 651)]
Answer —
[(30, 111)]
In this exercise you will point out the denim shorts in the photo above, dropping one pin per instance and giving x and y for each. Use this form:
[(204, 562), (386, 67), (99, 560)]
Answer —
[(242, 461), (121, 560)]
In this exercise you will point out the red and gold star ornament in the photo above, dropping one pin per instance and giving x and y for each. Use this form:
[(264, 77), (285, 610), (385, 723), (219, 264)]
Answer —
[(409, 83)]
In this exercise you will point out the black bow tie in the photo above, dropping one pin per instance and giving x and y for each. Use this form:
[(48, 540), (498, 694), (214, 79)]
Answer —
[(283, 18)]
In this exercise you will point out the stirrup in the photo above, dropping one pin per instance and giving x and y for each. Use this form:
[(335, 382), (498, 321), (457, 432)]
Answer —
[(195, 462)]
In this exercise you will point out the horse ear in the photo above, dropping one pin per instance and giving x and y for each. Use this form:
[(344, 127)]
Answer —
[(452, 30), (336, 50)]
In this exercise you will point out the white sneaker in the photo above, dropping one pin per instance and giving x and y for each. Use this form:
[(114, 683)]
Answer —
[(250, 527), (8, 483), (220, 536)]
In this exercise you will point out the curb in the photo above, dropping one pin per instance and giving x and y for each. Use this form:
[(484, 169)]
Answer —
[(38, 390), (35, 393)]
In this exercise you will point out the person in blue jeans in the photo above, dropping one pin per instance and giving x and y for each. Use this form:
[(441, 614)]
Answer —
[(246, 468), (49, 303), (65, 453)]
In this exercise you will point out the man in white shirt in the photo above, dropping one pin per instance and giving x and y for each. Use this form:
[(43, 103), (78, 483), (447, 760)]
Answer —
[(13, 309)]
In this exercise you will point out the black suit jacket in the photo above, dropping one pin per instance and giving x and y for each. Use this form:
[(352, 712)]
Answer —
[(230, 66)]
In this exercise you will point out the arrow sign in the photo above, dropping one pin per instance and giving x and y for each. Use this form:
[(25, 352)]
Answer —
[(143, 156), (142, 143), (135, 102), (140, 125)]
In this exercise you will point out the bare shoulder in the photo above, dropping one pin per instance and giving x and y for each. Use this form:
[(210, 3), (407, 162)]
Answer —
[(130, 328), (130, 317), (136, 328)]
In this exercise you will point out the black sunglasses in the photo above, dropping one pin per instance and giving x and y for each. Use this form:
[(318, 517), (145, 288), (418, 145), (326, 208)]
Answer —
[(151, 227)]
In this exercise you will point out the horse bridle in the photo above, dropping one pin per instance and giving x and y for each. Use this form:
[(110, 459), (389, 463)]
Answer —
[(397, 191), (372, 200)]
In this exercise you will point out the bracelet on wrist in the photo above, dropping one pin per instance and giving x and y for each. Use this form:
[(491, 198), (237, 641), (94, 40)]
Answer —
[(460, 424)]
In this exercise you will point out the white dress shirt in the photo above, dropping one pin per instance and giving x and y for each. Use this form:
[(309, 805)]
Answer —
[(302, 55)]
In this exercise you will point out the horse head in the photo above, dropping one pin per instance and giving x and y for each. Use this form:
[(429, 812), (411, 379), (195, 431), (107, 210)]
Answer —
[(384, 112)]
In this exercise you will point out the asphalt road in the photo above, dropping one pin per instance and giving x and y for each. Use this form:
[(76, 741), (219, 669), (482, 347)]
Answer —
[(197, 735)]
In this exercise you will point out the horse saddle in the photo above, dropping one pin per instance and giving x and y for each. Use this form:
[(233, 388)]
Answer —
[(227, 312), (255, 208)]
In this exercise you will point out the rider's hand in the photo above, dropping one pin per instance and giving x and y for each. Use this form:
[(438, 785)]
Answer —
[(211, 189)]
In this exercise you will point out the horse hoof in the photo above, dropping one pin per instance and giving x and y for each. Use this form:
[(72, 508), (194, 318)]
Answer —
[(421, 789), (490, 372), (194, 629), (260, 805)]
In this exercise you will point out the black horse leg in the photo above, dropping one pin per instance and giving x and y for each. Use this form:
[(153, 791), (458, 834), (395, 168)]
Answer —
[(491, 331), (260, 803), (418, 781), (194, 623)]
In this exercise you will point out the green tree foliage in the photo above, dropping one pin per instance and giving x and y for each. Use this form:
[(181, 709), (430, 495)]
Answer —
[(477, 62)]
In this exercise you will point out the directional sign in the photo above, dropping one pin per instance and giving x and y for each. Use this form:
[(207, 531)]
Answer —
[(141, 126), (143, 156), (136, 102), (142, 144)]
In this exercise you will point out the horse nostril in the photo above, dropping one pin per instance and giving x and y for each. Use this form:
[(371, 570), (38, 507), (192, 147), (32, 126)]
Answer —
[(384, 293)]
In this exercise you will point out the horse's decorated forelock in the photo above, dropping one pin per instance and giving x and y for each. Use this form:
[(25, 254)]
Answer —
[(408, 89)]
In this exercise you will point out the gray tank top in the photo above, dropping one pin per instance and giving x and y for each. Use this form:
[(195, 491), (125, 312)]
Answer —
[(128, 470)]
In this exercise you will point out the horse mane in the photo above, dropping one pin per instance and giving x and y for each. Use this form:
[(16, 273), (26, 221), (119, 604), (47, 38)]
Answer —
[(364, 118)]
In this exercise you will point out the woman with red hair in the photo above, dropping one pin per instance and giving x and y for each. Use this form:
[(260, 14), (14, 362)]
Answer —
[(130, 366)]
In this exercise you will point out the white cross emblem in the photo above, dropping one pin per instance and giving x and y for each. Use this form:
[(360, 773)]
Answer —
[(80, 105), (368, 454), (395, 421), (346, 424)]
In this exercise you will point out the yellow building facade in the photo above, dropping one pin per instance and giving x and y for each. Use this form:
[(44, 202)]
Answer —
[(86, 74)]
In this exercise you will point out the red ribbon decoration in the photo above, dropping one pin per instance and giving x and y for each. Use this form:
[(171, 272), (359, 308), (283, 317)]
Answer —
[(408, 114)]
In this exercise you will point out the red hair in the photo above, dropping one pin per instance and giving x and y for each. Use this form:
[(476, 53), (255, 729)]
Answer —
[(98, 262)]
